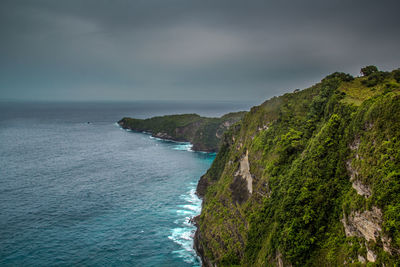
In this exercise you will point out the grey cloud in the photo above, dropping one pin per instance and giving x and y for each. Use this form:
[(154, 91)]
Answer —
[(110, 50)]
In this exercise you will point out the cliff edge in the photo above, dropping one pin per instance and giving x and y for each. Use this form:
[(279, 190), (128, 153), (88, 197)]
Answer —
[(310, 178)]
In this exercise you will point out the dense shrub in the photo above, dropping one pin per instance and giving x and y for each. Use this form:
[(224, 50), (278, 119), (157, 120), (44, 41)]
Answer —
[(396, 75), (368, 70), (375, 78), (341, 75)]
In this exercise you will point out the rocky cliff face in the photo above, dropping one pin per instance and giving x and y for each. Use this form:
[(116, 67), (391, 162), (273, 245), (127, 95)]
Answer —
[(309, 178)]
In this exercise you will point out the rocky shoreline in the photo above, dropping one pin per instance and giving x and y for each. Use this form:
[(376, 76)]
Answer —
[(164, 136)]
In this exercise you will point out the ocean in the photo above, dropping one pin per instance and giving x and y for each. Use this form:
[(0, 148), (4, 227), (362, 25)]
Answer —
[(76, 189)]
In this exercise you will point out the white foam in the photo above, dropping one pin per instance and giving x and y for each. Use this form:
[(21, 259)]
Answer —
[(187, 222), (183, 234), (191, 197), (183, 237), (184, 212), (195, 208), (183, 147)]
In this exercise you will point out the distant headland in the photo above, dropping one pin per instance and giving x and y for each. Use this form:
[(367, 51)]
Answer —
[(203, 132)]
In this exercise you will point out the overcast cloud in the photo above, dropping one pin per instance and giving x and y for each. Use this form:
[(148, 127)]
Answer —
[(187, 50)]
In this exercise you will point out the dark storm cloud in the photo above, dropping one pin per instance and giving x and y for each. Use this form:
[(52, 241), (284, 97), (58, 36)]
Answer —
[(128, 50)]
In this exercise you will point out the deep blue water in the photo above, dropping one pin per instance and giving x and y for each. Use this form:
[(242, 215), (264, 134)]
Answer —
[(73, 193)]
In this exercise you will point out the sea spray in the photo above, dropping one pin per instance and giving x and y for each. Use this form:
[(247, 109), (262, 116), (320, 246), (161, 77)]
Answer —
[(184, 232)]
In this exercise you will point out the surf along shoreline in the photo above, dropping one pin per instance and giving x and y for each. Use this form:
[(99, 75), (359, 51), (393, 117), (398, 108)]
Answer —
[(189, 197)]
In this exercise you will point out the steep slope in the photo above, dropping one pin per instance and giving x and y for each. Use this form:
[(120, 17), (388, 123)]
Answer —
[(310, 178), (204, 133)]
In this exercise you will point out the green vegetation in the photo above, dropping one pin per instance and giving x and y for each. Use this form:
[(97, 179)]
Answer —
[(303, 148), (368, 70), (396, 75), (204, 133), (363, 88)]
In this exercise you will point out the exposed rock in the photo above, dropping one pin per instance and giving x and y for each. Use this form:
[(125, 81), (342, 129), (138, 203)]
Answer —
[(279, 260), (361, 259), (227, 124), (355, 144), (242, 185), (366, 224), (353, 172), (264, 127), (200, 250), (371, 256), (361, 188), (239, 146), (387, 247), (244, 172), (163, 136), (194, 220), (264, 190), (239, 189), (202, 186)]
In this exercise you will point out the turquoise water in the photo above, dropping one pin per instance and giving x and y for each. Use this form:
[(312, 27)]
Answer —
[(92, 194)]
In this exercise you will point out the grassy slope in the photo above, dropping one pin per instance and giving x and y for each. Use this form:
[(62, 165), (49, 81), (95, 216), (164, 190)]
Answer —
[(203, 132), (298, 147)]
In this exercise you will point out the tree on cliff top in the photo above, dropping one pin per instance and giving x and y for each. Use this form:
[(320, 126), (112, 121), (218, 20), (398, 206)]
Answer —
[(368, 70)]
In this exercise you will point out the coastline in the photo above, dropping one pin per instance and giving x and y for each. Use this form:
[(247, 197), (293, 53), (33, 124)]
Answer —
[(198, 249), (204, 133), (167, 138)]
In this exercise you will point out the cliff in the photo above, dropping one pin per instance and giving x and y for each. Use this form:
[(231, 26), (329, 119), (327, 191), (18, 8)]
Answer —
[(204, 133), (310, 178)]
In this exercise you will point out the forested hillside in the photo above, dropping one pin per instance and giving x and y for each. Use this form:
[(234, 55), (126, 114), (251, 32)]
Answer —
[(310, 178)]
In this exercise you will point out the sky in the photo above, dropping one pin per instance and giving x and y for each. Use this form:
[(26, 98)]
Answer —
[(223, 50)]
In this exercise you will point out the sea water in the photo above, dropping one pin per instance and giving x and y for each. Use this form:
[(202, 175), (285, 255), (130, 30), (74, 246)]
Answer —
[(76, 189)]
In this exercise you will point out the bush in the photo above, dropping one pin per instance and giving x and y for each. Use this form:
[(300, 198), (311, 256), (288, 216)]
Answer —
[(368, 70), (396, 75), (375, 78), (341, 75)]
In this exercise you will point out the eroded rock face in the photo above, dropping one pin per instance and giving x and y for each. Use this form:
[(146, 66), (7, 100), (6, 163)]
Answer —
[(366, 224), (361, 259), (279, 260), (242, 185), (202, 186), (163, 136), (264, 127), (371, 256), (200, 250), (361, 188), (244, 172)]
